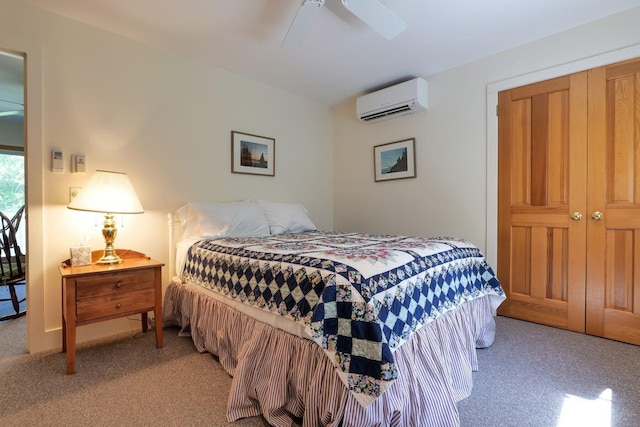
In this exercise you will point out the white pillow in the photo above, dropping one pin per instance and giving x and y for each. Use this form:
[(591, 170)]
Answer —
[(232, 219), (286, 217), (189, 221), (248, 221)]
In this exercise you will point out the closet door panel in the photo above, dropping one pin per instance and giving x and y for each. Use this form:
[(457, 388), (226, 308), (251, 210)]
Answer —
[(541, 161), (613, 277), (569, 201)]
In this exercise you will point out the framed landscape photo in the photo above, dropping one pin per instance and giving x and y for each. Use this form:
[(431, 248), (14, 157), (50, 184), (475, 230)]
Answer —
[(395, 160), (252, 154)]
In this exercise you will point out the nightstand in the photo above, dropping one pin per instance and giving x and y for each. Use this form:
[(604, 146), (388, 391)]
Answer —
[(94, 293)]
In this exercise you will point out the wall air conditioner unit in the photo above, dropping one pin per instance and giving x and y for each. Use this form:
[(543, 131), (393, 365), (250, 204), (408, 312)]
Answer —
[(393, 101)]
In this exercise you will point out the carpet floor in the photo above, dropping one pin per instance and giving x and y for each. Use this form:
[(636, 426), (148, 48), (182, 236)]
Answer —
[(533, 375), (123, 381), (538, 376)]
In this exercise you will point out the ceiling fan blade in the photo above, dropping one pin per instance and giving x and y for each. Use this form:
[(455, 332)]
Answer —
[(10, 108), (377, 16), (11, 113), (305, 16)]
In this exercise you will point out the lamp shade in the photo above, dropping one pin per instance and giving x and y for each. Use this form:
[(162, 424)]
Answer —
[(107, 192)]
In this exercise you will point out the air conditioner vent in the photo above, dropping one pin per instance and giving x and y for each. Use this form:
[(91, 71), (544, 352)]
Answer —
[(393, 101), (393, 111)]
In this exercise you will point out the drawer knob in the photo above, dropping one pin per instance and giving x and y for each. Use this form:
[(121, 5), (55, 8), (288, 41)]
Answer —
[(118, 284), (118, 305)]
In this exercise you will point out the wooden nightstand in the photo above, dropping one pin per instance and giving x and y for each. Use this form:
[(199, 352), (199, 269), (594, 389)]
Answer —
[(94, 293)]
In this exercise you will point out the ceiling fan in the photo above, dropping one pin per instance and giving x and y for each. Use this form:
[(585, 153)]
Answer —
[(10, 108), (371, 12)]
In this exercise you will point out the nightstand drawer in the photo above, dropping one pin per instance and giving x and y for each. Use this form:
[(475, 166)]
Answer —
[(89, 287), (115, 305)]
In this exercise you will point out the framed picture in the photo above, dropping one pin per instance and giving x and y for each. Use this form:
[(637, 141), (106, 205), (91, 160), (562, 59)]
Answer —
[(252, 154), (395, 160)]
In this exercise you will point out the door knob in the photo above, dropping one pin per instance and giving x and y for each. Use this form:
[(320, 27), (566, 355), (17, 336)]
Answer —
[(597, 215), (576, 216)]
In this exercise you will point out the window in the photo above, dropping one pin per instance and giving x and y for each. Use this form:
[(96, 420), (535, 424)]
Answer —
[(12, 185)]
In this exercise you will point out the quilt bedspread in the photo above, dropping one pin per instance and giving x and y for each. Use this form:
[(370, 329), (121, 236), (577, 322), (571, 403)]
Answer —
[(359, 296)]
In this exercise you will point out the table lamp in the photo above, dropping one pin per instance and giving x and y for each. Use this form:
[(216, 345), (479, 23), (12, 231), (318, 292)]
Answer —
[(110, 193)]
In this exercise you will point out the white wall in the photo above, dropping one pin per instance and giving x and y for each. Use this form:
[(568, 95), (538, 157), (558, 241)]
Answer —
[(450, 194), (165, 121)]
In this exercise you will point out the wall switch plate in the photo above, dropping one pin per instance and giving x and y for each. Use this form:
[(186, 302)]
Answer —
[(73, 192)]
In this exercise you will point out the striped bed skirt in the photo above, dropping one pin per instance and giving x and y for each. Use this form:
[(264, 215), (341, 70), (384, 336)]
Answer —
[(288, 379)]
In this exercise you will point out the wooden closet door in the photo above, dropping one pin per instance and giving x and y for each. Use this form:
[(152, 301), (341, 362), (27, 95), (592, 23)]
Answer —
[(542, 160), (613, 248)]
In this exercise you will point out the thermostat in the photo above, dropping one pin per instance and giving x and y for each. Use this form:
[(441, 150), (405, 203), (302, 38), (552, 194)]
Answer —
[(78, 163), (57, 163)]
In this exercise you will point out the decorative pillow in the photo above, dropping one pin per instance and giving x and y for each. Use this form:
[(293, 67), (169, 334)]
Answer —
[(232, 219), (286, 217)]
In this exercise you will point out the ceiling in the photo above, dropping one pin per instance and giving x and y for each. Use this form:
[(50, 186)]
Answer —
[(340, 56)]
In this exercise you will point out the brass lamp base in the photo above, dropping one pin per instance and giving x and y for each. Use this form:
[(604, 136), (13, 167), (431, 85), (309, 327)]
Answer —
[(109, 259), (109, 231)]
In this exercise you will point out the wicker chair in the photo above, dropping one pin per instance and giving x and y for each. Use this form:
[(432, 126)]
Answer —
[(12, 267)]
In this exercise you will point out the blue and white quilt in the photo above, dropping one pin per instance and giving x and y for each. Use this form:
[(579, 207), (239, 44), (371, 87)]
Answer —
[(359, 296)]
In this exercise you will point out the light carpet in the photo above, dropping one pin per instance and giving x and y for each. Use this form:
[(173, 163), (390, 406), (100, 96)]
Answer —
[(533, 375)]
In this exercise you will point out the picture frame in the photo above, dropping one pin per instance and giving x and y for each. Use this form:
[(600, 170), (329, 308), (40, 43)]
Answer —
[(252, 154), (395, 160)]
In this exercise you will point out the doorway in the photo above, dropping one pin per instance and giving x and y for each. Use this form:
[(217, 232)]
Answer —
[(12, 161)]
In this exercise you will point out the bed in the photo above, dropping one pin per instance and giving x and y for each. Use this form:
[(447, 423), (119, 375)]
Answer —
[(330, 328)]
